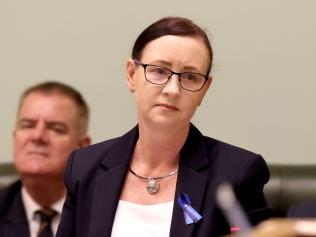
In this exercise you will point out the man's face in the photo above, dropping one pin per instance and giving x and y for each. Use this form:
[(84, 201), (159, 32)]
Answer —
[(46, 132)]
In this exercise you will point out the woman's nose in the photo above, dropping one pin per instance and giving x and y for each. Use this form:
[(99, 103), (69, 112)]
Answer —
[(172, 86)]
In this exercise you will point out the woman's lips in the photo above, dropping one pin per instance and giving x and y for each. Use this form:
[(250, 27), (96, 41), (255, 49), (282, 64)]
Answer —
[(168, 106)]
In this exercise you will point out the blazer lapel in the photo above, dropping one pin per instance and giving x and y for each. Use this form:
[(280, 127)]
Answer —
[(193, 184), (109, 184), (15, 223), (190, 181), (107, 193)]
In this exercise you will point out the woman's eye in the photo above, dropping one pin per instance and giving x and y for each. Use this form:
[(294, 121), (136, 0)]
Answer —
[(160, 71), (190, 76)]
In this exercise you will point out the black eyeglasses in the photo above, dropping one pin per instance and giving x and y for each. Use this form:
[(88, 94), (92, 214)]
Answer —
[(158, 75)]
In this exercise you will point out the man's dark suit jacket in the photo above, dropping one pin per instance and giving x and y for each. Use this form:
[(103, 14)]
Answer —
[(303, 210), (95, 175), (13, 220)]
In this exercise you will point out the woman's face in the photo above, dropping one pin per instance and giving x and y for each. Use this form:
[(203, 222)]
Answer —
[(168, 105)]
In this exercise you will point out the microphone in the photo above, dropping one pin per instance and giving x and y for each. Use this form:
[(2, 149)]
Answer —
[(233, 211)]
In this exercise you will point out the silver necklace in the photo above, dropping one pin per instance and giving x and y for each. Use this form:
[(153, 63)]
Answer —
[(152, 182)]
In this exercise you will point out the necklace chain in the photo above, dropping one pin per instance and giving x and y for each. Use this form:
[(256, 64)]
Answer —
[(153, 177), (152, 182)]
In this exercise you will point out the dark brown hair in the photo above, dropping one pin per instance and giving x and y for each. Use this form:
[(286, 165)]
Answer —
[(171, 26), (54, 87)]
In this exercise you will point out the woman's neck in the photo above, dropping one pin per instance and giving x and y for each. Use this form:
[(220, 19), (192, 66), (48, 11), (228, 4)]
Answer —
[(158, 151)]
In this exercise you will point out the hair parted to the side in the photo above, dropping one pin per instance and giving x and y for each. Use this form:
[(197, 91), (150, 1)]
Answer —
[(178, 26), (55, 87)]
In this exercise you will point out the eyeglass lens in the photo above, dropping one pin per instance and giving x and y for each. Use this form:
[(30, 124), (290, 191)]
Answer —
[(160, 75)]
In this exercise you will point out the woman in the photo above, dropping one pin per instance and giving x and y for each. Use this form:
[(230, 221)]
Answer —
[(142, 183)]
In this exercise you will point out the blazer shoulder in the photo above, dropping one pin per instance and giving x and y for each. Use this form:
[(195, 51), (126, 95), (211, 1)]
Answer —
[(233, 161), (90, 156), (97, 150), (84, 159), (226, 160), (228, 149), (87, 163), (8, 194)]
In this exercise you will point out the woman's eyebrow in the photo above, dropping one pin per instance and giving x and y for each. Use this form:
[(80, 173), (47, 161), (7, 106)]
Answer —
[(192, 68), (165, 63)]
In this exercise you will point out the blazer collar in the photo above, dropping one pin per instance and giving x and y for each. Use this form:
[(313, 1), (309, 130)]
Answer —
[(193, 153), (121, 152)]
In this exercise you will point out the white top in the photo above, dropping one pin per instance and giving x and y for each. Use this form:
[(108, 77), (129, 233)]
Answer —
[(135, 220), (31, 207)]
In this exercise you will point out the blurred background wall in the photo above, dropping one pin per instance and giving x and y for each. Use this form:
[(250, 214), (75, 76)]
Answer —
[(263, 97)]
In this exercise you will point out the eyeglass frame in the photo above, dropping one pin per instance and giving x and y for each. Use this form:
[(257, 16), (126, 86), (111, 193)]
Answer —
[(144, 65)]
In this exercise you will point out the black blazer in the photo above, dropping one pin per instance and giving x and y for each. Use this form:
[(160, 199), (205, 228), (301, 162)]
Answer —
[(13, 220), (303, 210), (95, 175)]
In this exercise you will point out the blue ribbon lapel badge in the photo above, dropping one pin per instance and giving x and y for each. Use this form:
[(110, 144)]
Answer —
[(190, 214)]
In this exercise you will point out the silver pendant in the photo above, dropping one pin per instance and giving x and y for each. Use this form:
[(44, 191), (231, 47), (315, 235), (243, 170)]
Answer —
[(152, 186)]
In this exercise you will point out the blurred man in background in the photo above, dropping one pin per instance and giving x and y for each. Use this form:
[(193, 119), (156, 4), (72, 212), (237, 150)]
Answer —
[(52, 120)]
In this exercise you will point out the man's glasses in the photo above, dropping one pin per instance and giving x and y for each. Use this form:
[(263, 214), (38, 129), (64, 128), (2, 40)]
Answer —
[(158, 75)]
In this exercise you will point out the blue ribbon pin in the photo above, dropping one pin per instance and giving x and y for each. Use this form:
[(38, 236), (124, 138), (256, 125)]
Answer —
[(190, 214)]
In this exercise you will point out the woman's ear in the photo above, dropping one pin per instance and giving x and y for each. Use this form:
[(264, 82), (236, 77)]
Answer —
[(206, 88), (209, 82), (130, 71)]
